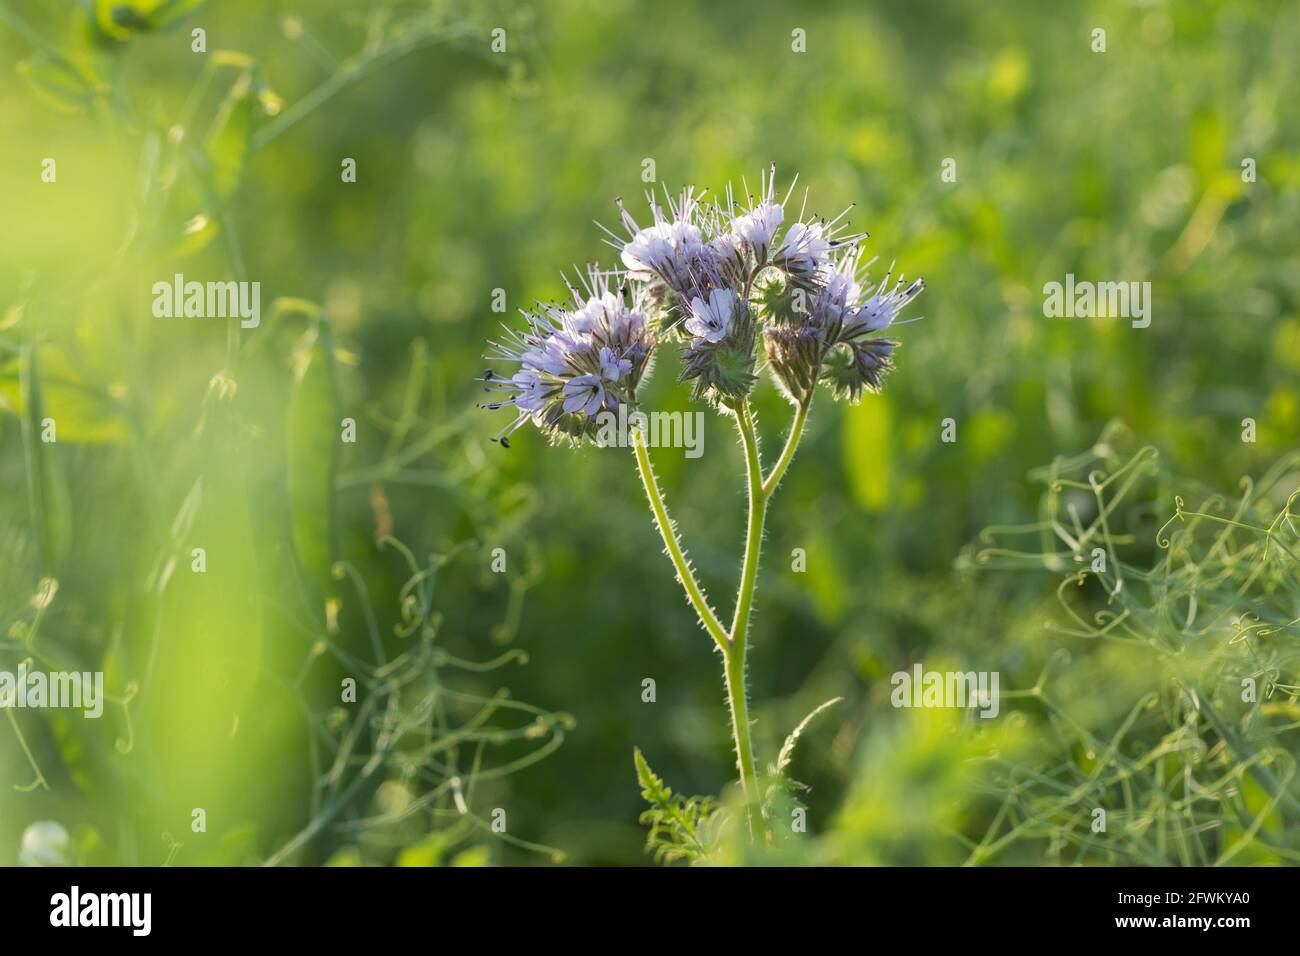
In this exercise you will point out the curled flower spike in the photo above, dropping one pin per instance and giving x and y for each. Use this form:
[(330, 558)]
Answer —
[(831, 340), (878, 312), (573, 363), (852, 367)]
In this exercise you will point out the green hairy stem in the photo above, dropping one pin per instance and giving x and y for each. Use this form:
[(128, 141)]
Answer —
[(667, 530), (733, 643)]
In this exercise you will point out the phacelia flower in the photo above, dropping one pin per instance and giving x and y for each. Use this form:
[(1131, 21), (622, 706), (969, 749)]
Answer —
[(803, 251), (878, 312), (757, 228), (721, 363), (668, 249), (753, 228), (711, 275), (574, 362), (712, 319), (808, 246), (852, 367)]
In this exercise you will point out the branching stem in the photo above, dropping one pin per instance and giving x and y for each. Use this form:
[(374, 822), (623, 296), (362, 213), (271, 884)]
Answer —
[(737, 644), (733, 643), (791, 444), (685, 574)]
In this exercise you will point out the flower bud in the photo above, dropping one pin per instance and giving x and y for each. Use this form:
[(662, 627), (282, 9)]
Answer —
[(851, 367), (777, 302), (794, 353)]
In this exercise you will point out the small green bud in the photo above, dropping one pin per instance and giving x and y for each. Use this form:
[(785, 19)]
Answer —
[(794, 354), (851, 367), (774, 300)]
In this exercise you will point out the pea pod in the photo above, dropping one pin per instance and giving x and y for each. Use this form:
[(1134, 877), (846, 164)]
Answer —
[(312, 439), (47, 488)]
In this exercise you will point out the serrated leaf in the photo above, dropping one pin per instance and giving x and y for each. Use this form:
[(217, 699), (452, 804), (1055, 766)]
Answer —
[(679, 827)]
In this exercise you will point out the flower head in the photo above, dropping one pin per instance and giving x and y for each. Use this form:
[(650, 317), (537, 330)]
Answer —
[(753, 228), (808, 246), (804, 250), (832, 339), (720, 363), (574, 362), (712, 275)]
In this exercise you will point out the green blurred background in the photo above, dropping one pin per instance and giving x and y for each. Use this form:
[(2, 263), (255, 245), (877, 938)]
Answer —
[(479, 171)]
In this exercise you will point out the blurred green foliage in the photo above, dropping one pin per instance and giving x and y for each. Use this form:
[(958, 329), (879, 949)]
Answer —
[(478, 171)]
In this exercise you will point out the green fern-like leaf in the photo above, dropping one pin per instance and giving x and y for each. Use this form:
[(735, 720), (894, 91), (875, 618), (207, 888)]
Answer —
[(679, 826)]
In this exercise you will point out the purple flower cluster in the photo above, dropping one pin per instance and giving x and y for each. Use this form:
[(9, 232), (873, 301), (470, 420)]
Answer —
[(713, 277)]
